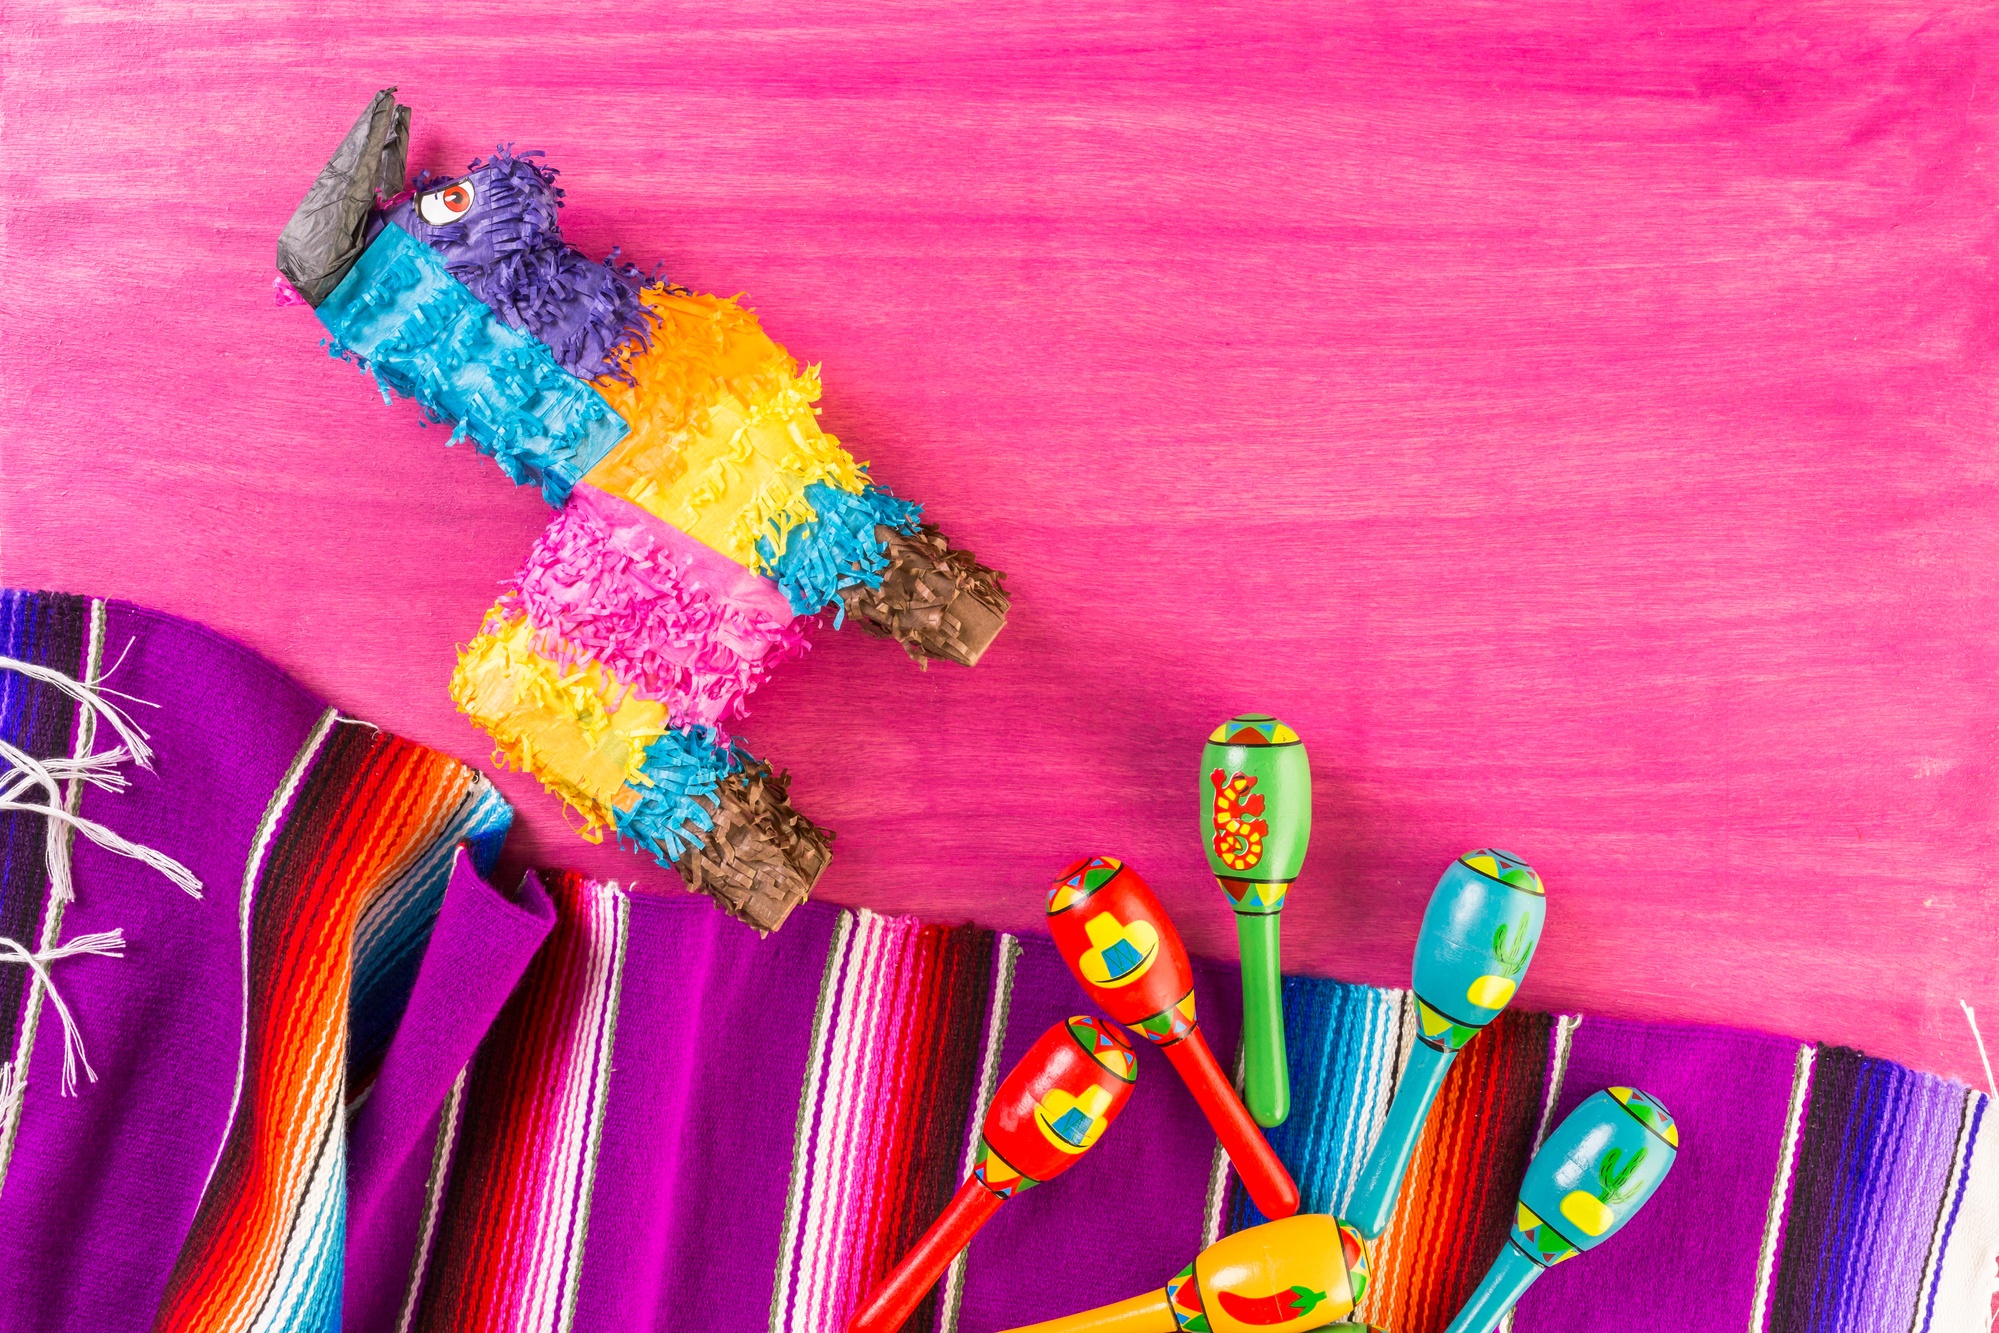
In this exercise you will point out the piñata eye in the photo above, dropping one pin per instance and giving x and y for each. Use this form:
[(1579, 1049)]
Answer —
[(446, 205)]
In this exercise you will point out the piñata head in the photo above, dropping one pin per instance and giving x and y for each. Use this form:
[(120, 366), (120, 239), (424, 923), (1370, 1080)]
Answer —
[(498, 231), (705, 520)]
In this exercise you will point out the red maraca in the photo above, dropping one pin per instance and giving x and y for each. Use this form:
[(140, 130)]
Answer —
[(1121, 945), (1055, 1104)]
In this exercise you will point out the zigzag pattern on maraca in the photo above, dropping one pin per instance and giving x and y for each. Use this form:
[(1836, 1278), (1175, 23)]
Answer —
[(708, 520)]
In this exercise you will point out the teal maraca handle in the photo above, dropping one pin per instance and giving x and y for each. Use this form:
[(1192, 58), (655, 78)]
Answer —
[(1266, 1083), (1381, 1179), (1505, 1282)]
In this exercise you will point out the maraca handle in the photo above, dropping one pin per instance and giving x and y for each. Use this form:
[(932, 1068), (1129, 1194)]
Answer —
[(1270, 1186), (1381, 1178), (890, 1303), (1505, 1282), (1266, 1079), (1141, 1314)]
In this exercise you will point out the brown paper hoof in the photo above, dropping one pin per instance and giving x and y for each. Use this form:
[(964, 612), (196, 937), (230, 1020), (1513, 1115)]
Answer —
[(935, 600), (762, 857)]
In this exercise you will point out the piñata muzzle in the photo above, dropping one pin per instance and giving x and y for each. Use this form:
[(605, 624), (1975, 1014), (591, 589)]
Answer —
[(704, 521)]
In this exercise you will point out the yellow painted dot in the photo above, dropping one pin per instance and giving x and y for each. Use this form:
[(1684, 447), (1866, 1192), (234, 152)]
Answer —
[(1588, 1212)]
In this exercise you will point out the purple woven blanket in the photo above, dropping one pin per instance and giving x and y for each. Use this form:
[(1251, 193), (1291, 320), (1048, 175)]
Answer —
[(355, 1083)]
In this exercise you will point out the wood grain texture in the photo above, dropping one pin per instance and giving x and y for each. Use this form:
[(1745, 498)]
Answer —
[(1575, 418)]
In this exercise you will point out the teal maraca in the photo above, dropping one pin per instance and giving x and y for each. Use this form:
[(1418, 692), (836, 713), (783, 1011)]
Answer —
[(1478, 935), (1598, 1168)]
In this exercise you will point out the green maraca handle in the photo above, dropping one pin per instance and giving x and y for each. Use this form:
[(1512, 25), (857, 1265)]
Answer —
[(1266, 1088), (1505, 1282)]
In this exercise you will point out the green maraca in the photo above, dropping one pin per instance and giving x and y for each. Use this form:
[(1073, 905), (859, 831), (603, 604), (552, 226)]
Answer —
[(1256, 814), (1598, 1168)]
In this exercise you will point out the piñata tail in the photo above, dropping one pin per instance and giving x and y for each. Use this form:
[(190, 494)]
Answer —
[(705, 521)]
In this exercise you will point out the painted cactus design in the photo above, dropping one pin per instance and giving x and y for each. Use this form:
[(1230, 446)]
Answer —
[(1594, 1210), (1512, 945)]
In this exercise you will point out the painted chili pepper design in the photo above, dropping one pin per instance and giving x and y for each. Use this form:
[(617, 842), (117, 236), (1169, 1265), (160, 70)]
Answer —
[(1278, 1308)]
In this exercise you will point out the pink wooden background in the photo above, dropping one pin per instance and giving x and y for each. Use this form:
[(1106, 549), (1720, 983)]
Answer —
[(1576, 419)]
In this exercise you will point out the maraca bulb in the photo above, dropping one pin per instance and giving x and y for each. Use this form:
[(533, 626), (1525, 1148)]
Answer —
[(1055, 1104), (1116, 938), (1256, 809), (1478, 935), (1298, 1273), (1601, 1164), (1051, 1108), (1598, 1168)]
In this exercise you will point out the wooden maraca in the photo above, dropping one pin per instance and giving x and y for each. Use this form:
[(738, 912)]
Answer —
[(1118, 940), (1478, 935), (1050, 1109), (1256, 815), (1598, 1168), (1301, 1272)]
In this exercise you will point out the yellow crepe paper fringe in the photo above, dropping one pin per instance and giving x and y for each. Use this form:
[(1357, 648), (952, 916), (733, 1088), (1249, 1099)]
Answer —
[(724, 435), (558, 725)]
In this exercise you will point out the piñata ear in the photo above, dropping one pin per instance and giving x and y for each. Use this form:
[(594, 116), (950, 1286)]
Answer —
[(330, 229)]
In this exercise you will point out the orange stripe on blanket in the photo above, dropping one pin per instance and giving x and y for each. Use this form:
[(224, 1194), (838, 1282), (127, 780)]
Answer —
[(369, 805), (1457, 1199)]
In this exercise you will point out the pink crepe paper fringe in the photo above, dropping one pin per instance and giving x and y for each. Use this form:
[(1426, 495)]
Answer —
[(598, 588)]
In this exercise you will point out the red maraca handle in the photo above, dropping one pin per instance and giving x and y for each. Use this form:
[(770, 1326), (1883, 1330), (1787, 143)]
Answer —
[(1263, 1175), (903, 1290)]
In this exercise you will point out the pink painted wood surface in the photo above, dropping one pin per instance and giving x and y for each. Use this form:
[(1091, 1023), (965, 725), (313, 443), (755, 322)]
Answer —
[(1576, 419)]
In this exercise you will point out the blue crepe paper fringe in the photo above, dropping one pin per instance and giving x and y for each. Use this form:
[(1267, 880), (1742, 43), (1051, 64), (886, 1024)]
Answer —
[(685, 765), (838, 549), (402, 317)]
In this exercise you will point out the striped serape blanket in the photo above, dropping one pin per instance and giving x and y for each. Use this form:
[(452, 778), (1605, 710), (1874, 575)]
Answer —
[(355, 1084)]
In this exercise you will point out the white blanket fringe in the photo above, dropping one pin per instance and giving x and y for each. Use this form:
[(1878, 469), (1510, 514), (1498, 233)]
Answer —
[(105, 944), (26, 776), (91, 695), (28, 771)]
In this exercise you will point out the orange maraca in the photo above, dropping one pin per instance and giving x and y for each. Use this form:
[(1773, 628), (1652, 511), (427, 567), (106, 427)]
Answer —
[(1121, 945), (1051, 1109)]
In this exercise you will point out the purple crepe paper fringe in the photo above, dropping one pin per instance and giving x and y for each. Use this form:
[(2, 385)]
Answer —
[(508, 250)]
